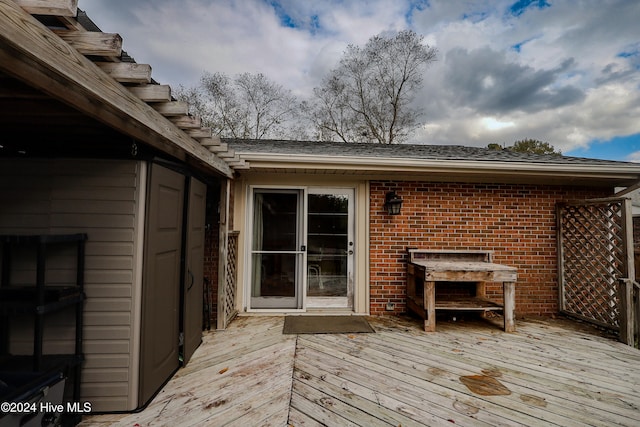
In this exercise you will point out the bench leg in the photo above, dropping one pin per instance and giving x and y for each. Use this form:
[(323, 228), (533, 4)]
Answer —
[(430, 306), (481, 293), (509, 291)]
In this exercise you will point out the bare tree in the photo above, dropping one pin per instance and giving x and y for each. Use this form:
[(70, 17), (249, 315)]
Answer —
[(367, 97), (247, 106)]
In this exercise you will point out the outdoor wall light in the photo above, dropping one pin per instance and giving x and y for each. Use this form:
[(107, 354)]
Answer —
[(392, 203)]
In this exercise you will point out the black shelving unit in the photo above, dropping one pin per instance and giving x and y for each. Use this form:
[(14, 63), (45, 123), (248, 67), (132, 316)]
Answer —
[(39, 300)]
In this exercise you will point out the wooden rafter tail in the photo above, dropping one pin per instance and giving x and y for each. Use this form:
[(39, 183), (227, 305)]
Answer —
[(238, 164), (186, 122), (71, 23), (127, 72), (221, 148), (171, 108), (214, 141), (50, 7), (152, 93), (229, 154), (201, 133), (92, 43), (235, 160)]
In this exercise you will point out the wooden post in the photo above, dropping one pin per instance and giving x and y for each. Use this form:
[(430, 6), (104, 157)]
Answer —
[(625, 298), (509, 296), (626, 291), (636, 304), (430, 306)]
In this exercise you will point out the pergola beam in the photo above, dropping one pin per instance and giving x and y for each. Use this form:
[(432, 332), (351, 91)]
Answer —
[(152, 93), (127, 72), (49, 7), (92, 43), (30, 52)]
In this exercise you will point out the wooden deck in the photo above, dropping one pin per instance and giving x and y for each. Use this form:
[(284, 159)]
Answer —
[(547, 373)]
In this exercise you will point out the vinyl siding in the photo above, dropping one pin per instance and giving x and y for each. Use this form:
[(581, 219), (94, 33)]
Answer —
[(100, 198)]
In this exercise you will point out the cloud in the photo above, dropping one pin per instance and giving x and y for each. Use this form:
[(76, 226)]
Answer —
[(634, 157), (485, 80), (566, 72)]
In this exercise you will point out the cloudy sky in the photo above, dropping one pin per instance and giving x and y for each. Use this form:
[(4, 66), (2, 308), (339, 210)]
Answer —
[(562, 71)]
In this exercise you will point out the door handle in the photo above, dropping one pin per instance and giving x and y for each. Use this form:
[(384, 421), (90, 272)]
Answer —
[(303, 248), (192, 279)]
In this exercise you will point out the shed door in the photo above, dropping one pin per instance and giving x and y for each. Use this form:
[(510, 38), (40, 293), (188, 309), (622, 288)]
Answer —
[(194, 269), (161, 280)]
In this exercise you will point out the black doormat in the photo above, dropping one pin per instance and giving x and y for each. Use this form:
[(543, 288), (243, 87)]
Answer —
[(326, 325)]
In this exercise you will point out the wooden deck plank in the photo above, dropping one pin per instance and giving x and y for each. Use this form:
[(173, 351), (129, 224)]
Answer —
[(546, 364), (572, 392), (430, 387), (349, 394), (300, 419), (583, 361), (252, 374), (403, 400), (242, 372), (488, 353), (453, 368), (349, 407), (562, 380), (240, 394), (556, 345)]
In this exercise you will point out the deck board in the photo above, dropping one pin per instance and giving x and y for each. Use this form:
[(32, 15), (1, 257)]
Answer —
[(252, 374)]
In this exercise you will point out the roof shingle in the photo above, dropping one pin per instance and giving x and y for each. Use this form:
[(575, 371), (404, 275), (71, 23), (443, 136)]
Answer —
[(407, 151)]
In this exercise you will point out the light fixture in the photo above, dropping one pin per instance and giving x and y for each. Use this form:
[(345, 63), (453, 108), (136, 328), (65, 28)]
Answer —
[(392, 203)]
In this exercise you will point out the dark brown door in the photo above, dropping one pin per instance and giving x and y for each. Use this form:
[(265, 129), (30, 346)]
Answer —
[(194, 274), (161, 280)]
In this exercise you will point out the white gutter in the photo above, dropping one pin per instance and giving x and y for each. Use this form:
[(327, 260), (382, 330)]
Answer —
[(287, 161)]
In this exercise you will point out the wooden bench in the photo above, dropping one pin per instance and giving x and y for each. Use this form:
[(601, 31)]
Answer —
[(428, 268)]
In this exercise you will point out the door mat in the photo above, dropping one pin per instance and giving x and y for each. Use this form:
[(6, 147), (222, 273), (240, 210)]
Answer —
[(326, 325)]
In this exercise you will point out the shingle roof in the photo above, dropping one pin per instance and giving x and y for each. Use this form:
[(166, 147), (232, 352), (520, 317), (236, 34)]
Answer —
[(405, 151)]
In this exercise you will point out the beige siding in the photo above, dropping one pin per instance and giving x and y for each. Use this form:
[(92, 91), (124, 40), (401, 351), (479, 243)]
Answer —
[(242, 219), (100, 198)]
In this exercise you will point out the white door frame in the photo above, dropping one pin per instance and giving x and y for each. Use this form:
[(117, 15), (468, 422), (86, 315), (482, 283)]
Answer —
[(283, 304), (333, 302), (345, 302)]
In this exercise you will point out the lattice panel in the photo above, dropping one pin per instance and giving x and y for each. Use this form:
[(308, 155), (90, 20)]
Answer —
[(230, 278), (593, 258)]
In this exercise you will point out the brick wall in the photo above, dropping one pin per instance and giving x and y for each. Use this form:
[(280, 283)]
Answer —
[(211, 255), (212, 245), (517, 222)]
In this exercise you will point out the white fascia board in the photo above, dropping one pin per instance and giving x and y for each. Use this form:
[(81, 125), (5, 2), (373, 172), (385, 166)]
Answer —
[(287, 161)]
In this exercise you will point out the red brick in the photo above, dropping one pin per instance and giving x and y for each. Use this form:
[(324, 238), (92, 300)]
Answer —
[(516, 222)]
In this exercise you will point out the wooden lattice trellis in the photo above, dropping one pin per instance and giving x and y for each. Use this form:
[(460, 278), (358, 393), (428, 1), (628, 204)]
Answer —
[(228, 299), (594, 245)]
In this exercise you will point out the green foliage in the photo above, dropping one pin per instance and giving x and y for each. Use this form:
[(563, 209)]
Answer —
[(528, 145), (534, 146)]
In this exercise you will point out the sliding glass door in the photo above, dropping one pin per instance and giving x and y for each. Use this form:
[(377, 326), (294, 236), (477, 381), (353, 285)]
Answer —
[(302, 248), (277, 250)]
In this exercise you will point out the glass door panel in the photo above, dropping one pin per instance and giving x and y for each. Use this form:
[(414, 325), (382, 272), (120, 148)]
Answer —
[(330, 248), (276, 252)]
